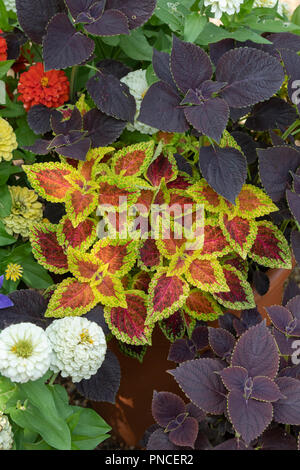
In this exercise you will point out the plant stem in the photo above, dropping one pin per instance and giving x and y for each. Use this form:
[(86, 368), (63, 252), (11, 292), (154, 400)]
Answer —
[(91, 67), (53, 378), (72, 81), (291, 129)]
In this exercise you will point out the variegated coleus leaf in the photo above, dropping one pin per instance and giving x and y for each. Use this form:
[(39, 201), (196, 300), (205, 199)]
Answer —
[(90, 168), (130, 350), (270, 247), (215, 244), (202, 193), (49, 179), (128, 323), (133, 160), (174, 326), (149, 256), (166, 295), (47, 249), (239, 232), (162, 167), (80, 203), (207, 275), (240, 294), (253, 202), (117, 255), (81, 237), (233, 259), (116, 192), (141, 281), (202, 306)]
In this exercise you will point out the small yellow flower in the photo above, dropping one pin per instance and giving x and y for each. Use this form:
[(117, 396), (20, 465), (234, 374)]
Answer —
[(13, 272), (8, 141)]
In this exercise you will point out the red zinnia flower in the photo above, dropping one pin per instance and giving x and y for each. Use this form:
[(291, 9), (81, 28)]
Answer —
[(3, 47), (39, 87)]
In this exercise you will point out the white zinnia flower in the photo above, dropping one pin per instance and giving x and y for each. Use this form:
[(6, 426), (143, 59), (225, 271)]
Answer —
[(138, 86), (10, 5), (78, 347), (218, 7), (6, 434), (283, 7), (25, 352)]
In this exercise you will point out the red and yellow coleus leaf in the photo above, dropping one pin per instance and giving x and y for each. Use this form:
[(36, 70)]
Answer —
[(71, 298), (174, 326), (239, 232), (80, 204), (253, 202), (190, 323), (162, 167), (179, 263), (183, 181), (144, 201), (50, 179), (141, 281), (202, 193), (133, 160), (171, 242), (270, 247), (81, 237), (240, 294), (118, 256), (85, 267), (114, 192), (166, 295), (90, 169), (110, 291), (202, 306), (233, 259), (149, 256), (47, 249), (128, 324), (215, 243), (207, 275)]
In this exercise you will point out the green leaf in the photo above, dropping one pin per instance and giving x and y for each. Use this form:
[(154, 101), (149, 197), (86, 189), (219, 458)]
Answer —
[(25, 135), (12, 109), (90, 429), (34, 275), (7, 389), (5, 201), (151, 77), (7, 169), (5, 238), (272, 26), (61, 399), (193, 26), (4, 25), (5, 65), (42, 416), (172, 13), (296, 16), (212, 33), (136, 46)]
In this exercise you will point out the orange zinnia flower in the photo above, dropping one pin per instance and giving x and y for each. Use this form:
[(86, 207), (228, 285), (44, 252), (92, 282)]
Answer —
[(39, 87), (3, 47)]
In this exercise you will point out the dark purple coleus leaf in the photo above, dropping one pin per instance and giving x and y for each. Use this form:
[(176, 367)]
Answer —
[(159, 440), (64, 126), (218, 49), (101, 129), (222, 342), (295, 240), (161, 109), (275, 165), (226, 322), (137, 13), (202, 385), (190, 65), (195, 412), (113, 67), (78, 6), (284, 342), (252, 76), (14, 40), (287, 410), (234, 378), (249, 417), (285, 41), (76, 150), (291, 290), (225, 170), (185, 349), (257, 352), (186, 433), (104, 385), (261, 282), (40, 147), (265, 389), (293, 200), (283, 320), (210, 117), (34, 15), (38, 118), (161, 66), (112, 97), (166, 406), (247, 144), (296, 181), (63, 45), (293, 305), (273, 114), (278, 439), (111, 23), (232, 444)]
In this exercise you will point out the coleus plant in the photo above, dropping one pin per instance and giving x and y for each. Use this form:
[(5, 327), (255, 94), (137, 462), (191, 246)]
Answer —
[(142, 280), (241, 371)]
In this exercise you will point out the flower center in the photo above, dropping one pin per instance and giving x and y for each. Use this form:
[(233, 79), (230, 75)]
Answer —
[(44, 81), (23, 348), (85, 337)]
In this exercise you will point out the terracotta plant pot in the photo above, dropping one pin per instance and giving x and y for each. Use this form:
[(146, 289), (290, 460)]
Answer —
[(131, 415)]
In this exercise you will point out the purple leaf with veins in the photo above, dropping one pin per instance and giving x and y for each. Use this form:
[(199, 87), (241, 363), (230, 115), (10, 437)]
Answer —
[(234, 378), (222, 342), (102, 129), (293, 306), (185, 434), (295, 240), (166, 407), (293, 200), (287, 410), (111, 23), (265, 389)]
